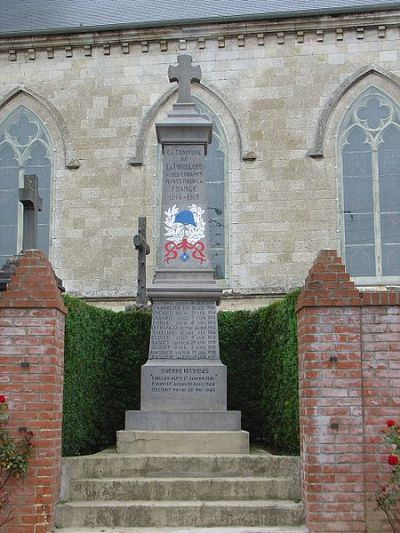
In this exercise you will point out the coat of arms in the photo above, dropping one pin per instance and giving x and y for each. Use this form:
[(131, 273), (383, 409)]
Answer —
[(184, 230)]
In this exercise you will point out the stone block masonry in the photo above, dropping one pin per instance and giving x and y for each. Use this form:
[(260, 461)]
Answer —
[(349, 385), (99, 95), (32, 316)]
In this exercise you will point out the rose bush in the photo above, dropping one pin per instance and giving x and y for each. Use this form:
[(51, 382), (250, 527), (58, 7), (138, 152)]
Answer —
[(388, 496), (14, 455)]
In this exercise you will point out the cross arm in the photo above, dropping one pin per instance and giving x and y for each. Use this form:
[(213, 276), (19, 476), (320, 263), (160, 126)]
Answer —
[(141, 244), (29, 195)]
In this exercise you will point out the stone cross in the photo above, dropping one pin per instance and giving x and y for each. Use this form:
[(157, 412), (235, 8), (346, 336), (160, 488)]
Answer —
[(184, 74), (30, 199), (143, 249)]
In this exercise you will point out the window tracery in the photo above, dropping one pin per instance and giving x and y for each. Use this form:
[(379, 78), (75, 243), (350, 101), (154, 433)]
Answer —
[(25, 148), (369, 144)]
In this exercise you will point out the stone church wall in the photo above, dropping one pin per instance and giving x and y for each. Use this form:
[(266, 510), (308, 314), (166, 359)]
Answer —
[(271, 86)]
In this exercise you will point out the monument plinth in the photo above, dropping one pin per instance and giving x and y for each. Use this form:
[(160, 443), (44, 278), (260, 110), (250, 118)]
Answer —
[(184, 382)]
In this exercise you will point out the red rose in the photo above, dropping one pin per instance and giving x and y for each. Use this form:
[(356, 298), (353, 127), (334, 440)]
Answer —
[(2, 398), (393, 460), (390, 423)]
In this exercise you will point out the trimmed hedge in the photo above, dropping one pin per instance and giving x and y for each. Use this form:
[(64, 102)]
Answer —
[(240, 352), (280, 403), (104, 351)]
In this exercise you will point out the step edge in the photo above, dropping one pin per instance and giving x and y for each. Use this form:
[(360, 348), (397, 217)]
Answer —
[(171, 479), (181, 503)]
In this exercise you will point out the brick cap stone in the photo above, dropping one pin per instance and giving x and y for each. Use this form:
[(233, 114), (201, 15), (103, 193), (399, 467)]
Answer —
[(329, 285), (32, 284)]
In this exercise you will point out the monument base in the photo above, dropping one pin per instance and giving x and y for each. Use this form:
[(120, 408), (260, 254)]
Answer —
[(183, 385), (182, 442), (183, 420)]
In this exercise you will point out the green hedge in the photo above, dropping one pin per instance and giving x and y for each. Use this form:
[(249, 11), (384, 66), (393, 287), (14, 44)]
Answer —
[(103, 354), (104, 351), (280, 404), (240, 352)]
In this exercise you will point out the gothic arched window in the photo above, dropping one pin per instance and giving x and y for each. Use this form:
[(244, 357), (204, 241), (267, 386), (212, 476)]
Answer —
[(369, 145), (25, 148)]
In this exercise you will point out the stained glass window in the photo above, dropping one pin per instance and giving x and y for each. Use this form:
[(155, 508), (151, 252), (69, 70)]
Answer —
[(24, 149), (370, 162)]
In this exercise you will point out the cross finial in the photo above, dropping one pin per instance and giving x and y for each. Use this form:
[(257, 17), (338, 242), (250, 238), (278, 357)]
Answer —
[(184, 74)]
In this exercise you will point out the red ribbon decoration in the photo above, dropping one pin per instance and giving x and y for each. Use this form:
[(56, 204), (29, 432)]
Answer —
[(198, 251), (171, 250)]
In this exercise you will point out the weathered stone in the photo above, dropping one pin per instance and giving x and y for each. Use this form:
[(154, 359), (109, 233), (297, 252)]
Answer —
[(266, 103), (182, 442), (143, 249), (183, 386), (183, 420), (32, 202)]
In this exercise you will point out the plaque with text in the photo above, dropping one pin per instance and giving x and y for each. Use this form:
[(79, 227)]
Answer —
[(183, 385), (184, 330), (184, 232)]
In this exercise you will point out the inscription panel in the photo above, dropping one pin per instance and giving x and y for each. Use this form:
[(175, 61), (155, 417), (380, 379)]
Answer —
[(184, 231), (184, 330), (184, 380), (183, 175), (183, 386)]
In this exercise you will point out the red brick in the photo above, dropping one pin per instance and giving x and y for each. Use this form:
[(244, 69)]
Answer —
[(358, 392), (34, 333)]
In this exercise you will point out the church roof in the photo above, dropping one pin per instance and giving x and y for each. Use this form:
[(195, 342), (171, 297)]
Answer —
[(25, 17)]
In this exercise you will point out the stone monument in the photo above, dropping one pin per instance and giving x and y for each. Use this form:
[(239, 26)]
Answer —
[(143, 249), (183, 386), (32, 204)]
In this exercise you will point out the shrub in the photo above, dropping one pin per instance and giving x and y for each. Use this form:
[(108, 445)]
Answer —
[(14, 455), (388, 496), (129, 346), (103, 354), (278, 332), (104, 351), (240, 351)]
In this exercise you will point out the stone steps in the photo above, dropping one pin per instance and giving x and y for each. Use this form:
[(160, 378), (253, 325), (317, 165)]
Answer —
[(180, 491), (182, 442), (187, 488), (273, 529), (113, 465), (180, 513)]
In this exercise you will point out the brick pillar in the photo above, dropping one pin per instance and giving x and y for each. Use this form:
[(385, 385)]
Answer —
[(381, 380), (32, 317), (347, 351)]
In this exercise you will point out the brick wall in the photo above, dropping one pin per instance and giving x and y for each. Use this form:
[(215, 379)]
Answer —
[(31, 377), (349, 386)]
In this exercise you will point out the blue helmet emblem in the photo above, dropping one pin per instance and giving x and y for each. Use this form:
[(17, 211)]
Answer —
[(185, 217)]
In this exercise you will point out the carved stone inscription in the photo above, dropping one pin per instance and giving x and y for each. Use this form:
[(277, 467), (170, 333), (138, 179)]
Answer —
[(183, 175), (184, 232), (183, 385), (181, 380), (184, 330)]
